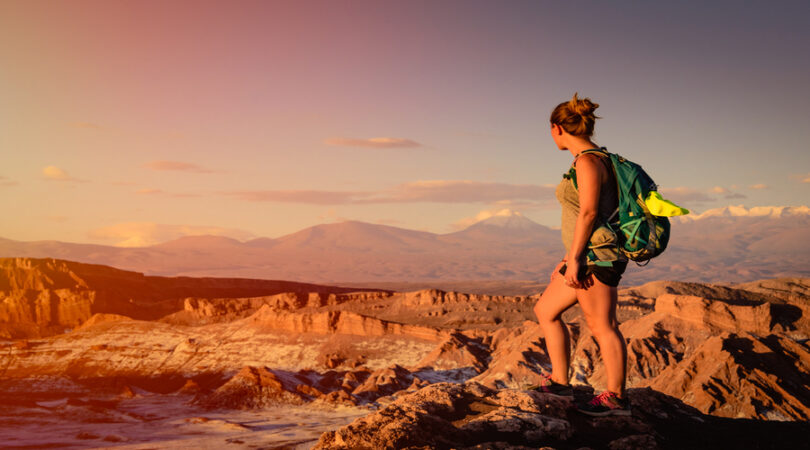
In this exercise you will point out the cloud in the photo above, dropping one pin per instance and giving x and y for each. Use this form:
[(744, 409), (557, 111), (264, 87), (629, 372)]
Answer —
[(437, 191), (458, 191), (177, 166), (298, 196), (523, 205), (728, 193), (755, 211), (55, 173), (149, 191), (683, 194), (141, 234), (7, 182), (380, 142), (759, 186), (482, 215), (801, 178)]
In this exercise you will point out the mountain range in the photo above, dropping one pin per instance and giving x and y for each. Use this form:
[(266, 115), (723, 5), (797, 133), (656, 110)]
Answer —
[(732, 244)]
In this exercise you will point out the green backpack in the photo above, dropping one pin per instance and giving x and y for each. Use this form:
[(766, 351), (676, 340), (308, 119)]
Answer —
[(640, 222)]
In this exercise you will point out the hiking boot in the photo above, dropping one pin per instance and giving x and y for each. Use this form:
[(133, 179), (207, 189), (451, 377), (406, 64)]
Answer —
[(548, 386), (606, 404)]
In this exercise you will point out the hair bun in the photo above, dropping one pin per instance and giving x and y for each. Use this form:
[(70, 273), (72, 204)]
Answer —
[(576, 116), (583, 107)]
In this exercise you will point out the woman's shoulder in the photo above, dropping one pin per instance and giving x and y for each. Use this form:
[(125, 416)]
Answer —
[(592, 165), (589, 159)]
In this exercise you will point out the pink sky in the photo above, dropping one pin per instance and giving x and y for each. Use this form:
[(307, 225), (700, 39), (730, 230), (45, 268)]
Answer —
[(144, 121)]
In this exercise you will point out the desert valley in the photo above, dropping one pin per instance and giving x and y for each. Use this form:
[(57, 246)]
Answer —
[(327, 225), (108, 357)]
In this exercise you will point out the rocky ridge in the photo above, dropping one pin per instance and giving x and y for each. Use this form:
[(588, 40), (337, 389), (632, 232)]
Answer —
[(738, 352)]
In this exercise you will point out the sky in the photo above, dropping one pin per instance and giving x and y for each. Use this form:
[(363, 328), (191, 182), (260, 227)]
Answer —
[(137, 122)]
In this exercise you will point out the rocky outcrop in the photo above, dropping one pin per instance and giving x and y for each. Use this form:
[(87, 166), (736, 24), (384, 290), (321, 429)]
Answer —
[(754, 317), (432, 297), (518, 358), (471, 416), (742, 375), (44, 297), (252, 387), (201, 311), (457, 351), (331, 322), (724, 350)]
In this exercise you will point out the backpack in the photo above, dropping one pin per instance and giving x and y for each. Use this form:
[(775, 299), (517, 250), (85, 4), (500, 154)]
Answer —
[(640, 221)]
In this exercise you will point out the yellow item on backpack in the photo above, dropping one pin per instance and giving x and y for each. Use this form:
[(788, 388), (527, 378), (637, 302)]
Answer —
[(658, 206)]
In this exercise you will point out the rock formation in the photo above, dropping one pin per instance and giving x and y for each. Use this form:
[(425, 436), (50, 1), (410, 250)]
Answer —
[(700, 352), (471, 416)]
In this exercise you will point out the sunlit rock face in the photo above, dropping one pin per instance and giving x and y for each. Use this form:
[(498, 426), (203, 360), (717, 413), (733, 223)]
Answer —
[(106, 342)]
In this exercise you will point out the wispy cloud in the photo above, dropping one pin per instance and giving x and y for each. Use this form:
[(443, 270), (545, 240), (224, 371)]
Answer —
[(523, 205), (759, 186), (7, 182), (438, 191), (57, 174), (801, 178), (457, 191), (298, 196), (727, 193), (684, 194), (150, 191), (141, 234), (178, 166), (378, 142)]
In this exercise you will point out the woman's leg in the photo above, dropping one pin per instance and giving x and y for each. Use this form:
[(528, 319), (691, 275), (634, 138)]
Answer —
[(555, 300), (598, 303)]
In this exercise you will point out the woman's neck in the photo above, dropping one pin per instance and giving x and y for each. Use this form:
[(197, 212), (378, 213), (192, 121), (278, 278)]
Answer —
[(579, 145)]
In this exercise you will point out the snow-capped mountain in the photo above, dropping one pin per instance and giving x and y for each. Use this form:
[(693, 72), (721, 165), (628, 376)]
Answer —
[(728, 244)]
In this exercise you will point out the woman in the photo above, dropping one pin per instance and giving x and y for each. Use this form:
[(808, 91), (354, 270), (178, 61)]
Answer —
[(592, 267)]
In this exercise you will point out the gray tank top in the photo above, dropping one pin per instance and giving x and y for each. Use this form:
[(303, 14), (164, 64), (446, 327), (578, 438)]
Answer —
[(603, 241)]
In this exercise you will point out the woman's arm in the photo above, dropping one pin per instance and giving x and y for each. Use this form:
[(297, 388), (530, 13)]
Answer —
[(589, 183)]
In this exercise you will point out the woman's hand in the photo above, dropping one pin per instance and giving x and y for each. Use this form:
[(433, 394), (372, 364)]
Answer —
[(556, 273), (571, 271), (571, 279)]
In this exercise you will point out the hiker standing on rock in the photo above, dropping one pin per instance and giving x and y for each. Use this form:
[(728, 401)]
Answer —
[(590, 271)]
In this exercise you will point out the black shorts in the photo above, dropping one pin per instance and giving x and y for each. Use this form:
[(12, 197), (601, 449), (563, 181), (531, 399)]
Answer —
[(610, 275)]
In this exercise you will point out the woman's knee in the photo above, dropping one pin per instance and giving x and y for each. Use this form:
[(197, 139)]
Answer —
[(602, 328), (544, 314)]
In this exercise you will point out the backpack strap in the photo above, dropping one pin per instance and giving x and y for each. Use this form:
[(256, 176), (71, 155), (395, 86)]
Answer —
[(572, 175), (572, 172)]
